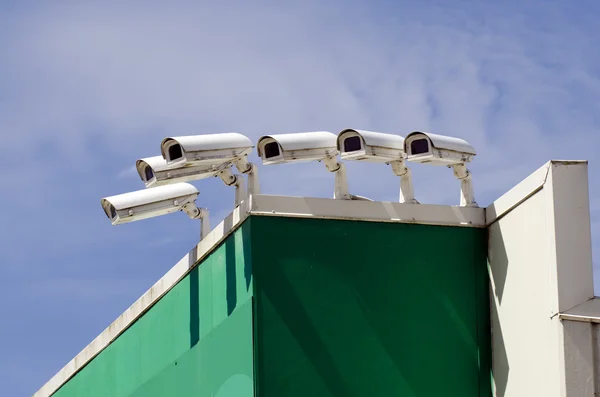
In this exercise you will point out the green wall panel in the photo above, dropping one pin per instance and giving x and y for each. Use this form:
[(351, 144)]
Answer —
[(220, 365), (347, 308), (195, 341), (336, 308)]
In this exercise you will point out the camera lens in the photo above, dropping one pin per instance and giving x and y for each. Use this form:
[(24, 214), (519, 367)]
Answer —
[(419, 146), (272, 150), (352, 144), (148, 173), (175, 152)]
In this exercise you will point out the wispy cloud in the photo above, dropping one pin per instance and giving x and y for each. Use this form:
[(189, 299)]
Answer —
[(128, 172)]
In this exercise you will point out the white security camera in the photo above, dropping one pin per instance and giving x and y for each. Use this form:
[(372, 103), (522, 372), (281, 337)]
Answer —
[(370, 146), (149, 203), (423, 147), (210, 149), (433, 149), (302, 147), (216, 152), (296, 147), (154, 171), (378, 147)]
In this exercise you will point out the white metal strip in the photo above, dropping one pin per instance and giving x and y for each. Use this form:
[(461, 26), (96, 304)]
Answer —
[(308, 207), (588, 311), (574, 317), (522, 191), (518, 194)]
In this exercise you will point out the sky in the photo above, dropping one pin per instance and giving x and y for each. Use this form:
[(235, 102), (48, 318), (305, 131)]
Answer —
[(86, 88)]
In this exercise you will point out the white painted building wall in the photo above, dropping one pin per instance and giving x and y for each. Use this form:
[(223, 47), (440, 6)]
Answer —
[(540, 268), (582, 344)]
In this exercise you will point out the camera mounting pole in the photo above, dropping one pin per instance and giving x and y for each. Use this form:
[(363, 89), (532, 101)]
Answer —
[(234, 180), (467, 196), (246, 167), (194, 212), (407, 193), (341, 179)]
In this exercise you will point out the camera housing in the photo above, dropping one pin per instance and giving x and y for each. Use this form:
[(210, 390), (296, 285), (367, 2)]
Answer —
[(211, 150), (378, 147), (297, 147), (154, 171), (370, 146), (303, 147), (149, 203), (214, 152), (433, 149)]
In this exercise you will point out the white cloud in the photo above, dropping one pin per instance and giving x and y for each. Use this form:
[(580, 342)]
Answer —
[(128, 172)]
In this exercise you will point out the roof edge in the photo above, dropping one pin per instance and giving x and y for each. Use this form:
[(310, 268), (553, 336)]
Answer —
[(368, 211), (524, 190)]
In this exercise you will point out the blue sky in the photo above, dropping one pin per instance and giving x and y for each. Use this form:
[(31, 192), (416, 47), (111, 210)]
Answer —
[(86, 89)]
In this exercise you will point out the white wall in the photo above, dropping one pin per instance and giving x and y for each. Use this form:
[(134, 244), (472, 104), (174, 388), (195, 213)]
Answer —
[(540, 266), (582, 346)]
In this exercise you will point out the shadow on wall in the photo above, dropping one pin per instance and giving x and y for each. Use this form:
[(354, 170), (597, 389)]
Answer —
[(350, 323), (362, 322), (231, 276), (497, 270), (499, 258), (194, 299), (281, 294)]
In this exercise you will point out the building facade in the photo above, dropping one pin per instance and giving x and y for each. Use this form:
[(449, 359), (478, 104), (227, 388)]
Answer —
[(294, 296)]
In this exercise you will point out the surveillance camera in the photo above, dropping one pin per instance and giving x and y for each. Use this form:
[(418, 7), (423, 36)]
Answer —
[(306, 146), (378, 147), (154, 171), (143, 204), (423, 147), (212, 150), (297, 147), (370, 146)]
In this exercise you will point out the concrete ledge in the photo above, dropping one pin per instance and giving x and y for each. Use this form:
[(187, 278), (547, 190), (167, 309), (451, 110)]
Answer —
[(368, 211)]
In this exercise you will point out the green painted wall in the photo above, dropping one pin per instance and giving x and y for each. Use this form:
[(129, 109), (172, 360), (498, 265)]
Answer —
[(195, 341), (336, 308), (347, 308)]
